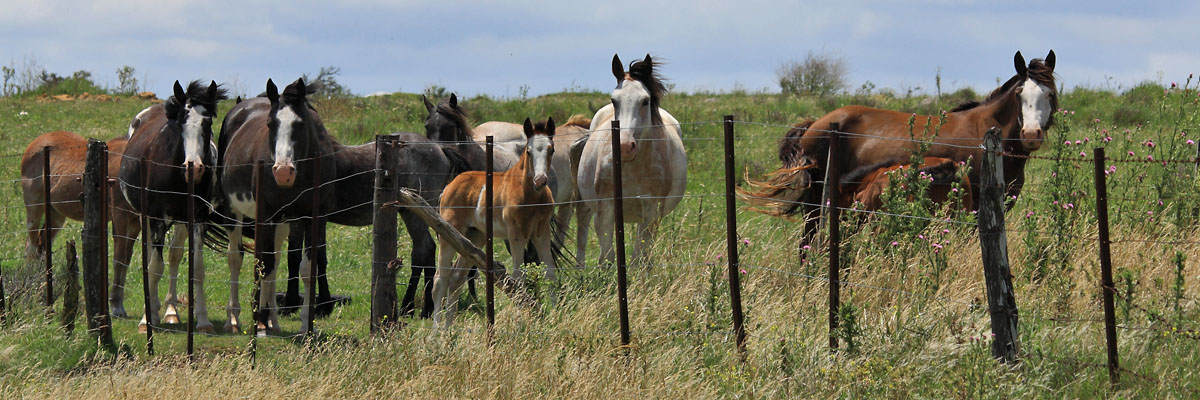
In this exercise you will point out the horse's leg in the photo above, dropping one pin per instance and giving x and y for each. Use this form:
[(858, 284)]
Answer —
[(582, 218), (324, 304), (542, 241), (175, 257), (278, 233), (125, 232), (424, 258), (201, 305), (306, 275), (295, 255), (156, 236), (604, 225), (446, 283), (35, 214), (646, 230), (517, 245), (233, 257)]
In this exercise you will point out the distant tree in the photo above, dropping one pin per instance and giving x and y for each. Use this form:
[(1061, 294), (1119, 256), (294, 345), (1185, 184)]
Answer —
[(434, 92), (325, 84), (10, 87), (128, 83), (818, 75)]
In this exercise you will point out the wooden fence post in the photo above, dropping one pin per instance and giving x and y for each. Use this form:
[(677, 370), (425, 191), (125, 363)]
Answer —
[(95, 243), (1106, 279), (71, 292), (993, 243), (731, 241), (47, 248), (191, 284), (833, 175), (383, 244), (619, 234)]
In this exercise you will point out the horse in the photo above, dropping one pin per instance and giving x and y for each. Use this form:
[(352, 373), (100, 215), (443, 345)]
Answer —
[(171, 136), (562, 177), (284, 130), (423, 166), (1022, 108), (865, 185), (653, 161), (523, 207), (68, 154)]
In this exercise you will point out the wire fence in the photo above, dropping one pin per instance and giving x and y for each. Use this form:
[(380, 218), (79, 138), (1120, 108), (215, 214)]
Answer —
[(215, 206)]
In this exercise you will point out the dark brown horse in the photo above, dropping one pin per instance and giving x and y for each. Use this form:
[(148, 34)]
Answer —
[(284, 131), (170, 137), (1023, 108)]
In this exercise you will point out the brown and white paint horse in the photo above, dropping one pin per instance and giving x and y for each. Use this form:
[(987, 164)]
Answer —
[(170, 136), (523, 207), (1022, 108), (653, 161), (285, 132)]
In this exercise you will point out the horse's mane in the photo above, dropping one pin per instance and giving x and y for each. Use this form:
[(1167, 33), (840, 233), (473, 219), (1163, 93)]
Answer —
[(579, 120), (646, 72), (542, 127), (197, 92), (789, 146), (459, 116)]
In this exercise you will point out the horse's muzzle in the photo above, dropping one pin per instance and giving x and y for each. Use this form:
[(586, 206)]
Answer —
[(1032, 139), (539, 182), (285, 175), (196, 172)]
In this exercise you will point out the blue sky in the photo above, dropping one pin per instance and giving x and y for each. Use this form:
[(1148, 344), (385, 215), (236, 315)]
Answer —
[(495, 47)]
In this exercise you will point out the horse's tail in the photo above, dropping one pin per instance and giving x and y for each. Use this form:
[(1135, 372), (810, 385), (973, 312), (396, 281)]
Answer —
[(216, 235), (789, 147), (558, 236), (781, 191)]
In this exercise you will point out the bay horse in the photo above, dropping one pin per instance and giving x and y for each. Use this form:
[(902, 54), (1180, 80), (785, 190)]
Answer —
[(170, 136), (865, 185), (1023, 108), (523, 207), (654, 164), (281, 129), (68, 155)]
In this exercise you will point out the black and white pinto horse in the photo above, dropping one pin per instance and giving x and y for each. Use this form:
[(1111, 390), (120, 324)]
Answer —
[(285, 132), (171, 136)]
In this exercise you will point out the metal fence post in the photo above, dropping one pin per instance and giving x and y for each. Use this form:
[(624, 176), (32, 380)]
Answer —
[(256, 304), (731, 242), (619, 234), (191, 223), (488, 231), (145, 222), (312, 243), (832, 194), (46, 230), (1106, 279)]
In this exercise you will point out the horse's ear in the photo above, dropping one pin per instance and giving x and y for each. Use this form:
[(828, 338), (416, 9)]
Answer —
[(1050, 60), (212, 91), (301, 90), (550, 126), (528, 127), (272, 92), (453, 100), (649, 64), (618, 68), (428, 105), (180, 96), (1019, 63)]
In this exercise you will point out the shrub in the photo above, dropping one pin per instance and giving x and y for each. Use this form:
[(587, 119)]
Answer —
[(817, 75)]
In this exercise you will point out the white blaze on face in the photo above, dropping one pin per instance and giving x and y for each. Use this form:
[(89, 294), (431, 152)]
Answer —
[(193, 136), (631, 101), (284, 153), (1035, 108), (541, 149)]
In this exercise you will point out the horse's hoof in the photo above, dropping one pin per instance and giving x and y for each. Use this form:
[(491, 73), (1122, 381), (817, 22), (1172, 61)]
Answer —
[(142, 328), (205, 328), (232, 328), (118, 312), (171, 319)]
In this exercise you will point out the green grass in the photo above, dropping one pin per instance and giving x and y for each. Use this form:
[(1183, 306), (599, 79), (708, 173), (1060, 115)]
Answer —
[(920, 335)]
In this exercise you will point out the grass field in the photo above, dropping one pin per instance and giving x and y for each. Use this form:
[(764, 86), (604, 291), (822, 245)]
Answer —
[(915, 326)]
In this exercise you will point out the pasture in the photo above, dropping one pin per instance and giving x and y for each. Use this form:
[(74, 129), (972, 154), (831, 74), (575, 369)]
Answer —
[(915, 324)]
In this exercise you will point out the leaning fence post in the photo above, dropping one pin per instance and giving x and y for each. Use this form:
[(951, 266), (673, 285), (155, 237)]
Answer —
[(619, 234), (833, 175), (145, 222), (383, 243), (1002, 304), (489, 292), (1106, 279), (731, 242), (46, 233), (95, 243)]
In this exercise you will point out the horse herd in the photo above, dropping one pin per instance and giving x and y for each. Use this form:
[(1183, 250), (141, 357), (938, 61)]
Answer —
[(550, 172)]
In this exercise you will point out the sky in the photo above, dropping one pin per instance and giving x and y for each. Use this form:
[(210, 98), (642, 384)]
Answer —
[(500, 48)]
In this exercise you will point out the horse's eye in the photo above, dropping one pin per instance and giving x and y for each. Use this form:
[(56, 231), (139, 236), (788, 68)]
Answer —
[(645, 102)]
